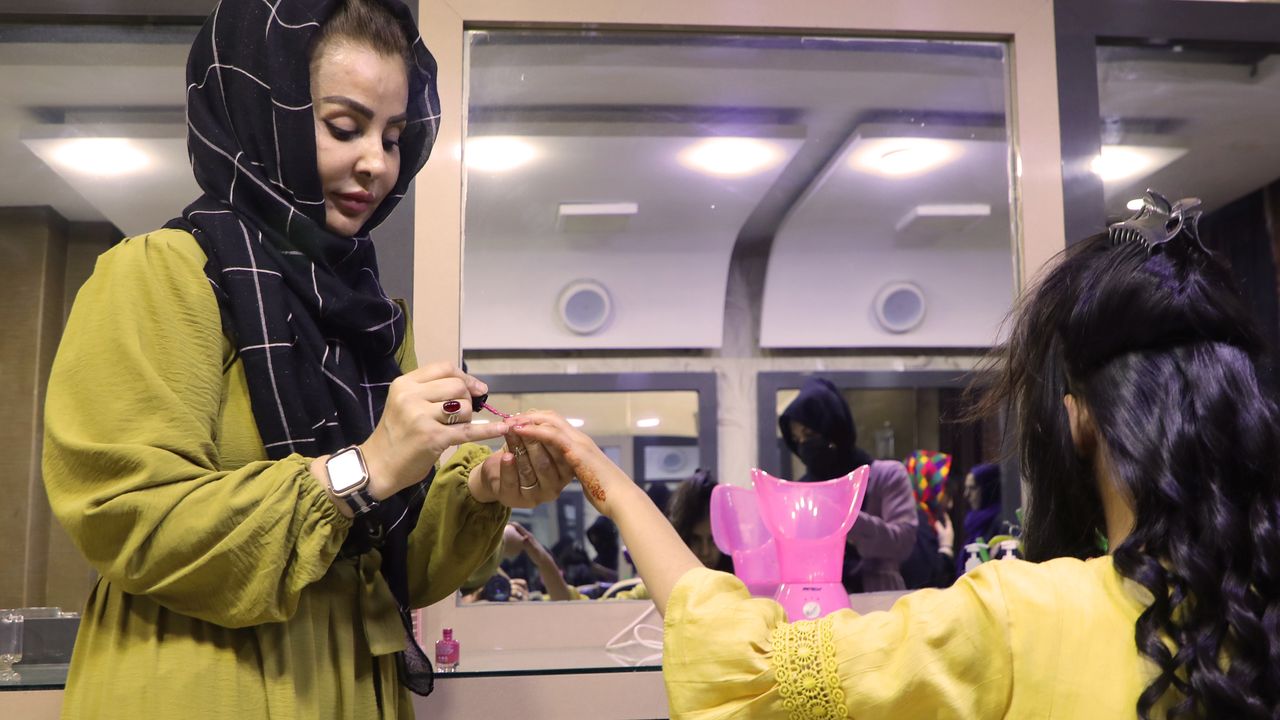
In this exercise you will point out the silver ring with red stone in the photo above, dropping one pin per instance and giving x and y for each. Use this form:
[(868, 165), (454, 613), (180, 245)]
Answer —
[(452, 412)]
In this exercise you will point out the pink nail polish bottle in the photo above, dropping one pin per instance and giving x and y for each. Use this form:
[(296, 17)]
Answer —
[(447, 651)]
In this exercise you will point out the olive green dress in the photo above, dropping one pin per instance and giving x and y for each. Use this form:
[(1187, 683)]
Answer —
[(222, 594)]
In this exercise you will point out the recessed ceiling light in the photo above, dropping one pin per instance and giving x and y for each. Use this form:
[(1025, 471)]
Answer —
[(648, 422), (576, 422), (1134, 204), (598, 209), (495, 153), (902, 157), (1124, 162), (731, 156), (102, 157)]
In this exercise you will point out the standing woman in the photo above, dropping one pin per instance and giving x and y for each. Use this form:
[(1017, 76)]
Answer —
[(237, 436), (982, 498)]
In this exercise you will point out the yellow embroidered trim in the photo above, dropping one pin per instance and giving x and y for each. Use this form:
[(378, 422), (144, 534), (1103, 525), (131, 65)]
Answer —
[(804, 662)]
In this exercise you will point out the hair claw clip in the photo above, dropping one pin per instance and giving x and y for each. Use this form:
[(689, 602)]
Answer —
[(1158, 221)]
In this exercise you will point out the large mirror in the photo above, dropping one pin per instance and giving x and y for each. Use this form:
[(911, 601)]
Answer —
[(658, 427), (713, 199), (859, 188)]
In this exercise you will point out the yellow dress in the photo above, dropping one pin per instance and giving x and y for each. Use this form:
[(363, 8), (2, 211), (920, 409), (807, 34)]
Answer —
[(221, 593), (1011, 639)]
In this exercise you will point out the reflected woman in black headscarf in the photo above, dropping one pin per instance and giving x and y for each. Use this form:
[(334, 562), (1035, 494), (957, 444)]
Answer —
[(818, 427)]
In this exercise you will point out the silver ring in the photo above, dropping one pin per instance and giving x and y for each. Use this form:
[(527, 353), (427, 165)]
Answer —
[(529, 487)]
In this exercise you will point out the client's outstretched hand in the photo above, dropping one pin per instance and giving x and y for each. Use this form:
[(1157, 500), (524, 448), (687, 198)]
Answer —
[(601, 480), (660, 555)]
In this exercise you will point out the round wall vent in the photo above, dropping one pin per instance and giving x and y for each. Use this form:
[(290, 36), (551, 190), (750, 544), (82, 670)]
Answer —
[(585, 306), (900, 307)]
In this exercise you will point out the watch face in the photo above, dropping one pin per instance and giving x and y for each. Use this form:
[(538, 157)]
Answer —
[(345, 471)]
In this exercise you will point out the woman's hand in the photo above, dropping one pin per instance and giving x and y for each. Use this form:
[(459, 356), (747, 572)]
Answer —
[(573, 453), (536, 551), (946, 534), (499, 479), (519, 590), (428, 410), (552, 577), (660, 554)]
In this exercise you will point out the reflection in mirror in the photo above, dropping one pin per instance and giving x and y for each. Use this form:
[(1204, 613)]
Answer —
[(93, 146), (900, 420), (565, 550), (1193, 120), (637, 170), (1187, 121)]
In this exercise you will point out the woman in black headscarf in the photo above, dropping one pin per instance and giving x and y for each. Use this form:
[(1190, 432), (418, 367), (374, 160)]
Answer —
[(818, 427), (238, 437)]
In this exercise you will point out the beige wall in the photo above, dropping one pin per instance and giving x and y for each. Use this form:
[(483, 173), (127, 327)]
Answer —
[(43, 260)]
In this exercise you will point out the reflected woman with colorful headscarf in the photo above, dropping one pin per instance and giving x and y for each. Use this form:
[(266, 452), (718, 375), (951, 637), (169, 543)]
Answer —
[(932, 561)]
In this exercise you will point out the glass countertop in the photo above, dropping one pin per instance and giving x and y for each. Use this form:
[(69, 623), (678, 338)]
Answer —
[(38, 677), (479, 663)]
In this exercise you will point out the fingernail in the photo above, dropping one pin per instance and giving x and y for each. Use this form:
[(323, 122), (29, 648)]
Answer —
[(508, 458)]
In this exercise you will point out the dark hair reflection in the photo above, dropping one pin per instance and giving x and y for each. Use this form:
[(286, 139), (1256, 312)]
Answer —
[(691, 516)]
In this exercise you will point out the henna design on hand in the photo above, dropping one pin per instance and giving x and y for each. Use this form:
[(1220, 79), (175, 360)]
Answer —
[(592, 484)]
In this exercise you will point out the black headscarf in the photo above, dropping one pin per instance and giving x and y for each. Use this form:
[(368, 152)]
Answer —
[(304, 306), (821, 408)]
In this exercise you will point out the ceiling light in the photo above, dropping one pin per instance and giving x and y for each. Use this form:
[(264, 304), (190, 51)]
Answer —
[(494, 153), (1124, 162), (927, 223), (730, 156), (101, 157), (1134, 204), (902, 157), (598, 209), (480, 421), (576, 422), (648, 422)]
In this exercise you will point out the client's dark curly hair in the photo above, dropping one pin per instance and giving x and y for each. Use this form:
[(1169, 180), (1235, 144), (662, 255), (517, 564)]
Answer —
[(1164, 358)]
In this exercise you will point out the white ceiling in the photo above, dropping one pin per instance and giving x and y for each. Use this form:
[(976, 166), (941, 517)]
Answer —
[(106, 77), (141, 204), (1227, 117)]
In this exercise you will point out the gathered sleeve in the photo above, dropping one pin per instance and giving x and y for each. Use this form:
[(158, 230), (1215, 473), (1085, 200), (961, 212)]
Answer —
[(131, 459), (935, 654), (455, 535), (892, 535)]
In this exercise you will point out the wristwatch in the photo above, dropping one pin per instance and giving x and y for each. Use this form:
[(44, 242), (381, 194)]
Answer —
[(349, 479)]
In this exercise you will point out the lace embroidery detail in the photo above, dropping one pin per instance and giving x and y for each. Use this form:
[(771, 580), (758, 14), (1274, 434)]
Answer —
[(804, 662)]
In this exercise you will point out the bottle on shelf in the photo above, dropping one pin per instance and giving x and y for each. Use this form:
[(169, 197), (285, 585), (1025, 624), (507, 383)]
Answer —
[(447, 651)]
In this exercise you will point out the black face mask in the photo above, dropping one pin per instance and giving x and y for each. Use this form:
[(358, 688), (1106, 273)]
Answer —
[(821, 459)]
